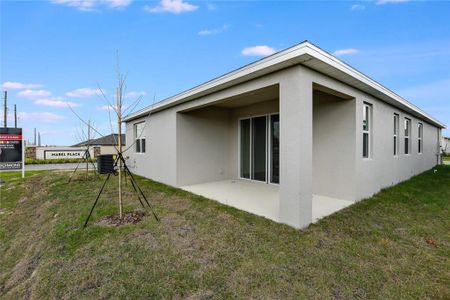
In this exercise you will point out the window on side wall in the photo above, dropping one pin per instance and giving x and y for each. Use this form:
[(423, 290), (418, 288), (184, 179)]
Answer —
[(139, 136), (396, 130), (407, 128), (420, 137), (367, 129)]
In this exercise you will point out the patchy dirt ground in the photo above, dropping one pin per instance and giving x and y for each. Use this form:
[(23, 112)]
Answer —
[(392, 246), (127, 218)]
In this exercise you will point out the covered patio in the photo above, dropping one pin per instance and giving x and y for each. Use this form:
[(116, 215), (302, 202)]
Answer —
[(236, 149), (260, 198)]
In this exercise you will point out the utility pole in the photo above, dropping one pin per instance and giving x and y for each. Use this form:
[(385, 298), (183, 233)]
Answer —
[(15, 116), (5, 110)]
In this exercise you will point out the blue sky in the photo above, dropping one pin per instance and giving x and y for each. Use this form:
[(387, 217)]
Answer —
[(53, 52)]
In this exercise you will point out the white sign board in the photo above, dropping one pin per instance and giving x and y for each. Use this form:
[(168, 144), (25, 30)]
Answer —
[(58, 154)]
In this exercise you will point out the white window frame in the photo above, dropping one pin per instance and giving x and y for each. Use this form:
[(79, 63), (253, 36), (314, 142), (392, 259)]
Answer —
[(407, 137), (139, 140), (420, 137), (396, 133), (367, 131)]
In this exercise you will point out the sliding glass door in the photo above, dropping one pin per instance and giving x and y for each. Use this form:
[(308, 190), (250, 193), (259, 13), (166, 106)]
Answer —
[(259, 148)]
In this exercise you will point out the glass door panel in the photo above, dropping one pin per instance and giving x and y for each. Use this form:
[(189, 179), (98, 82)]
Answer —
[(259, 148), (275, 149), (245, 148)]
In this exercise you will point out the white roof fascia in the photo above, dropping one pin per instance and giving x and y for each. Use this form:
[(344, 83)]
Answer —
[(280, 60), (338, 64), (294, 54)]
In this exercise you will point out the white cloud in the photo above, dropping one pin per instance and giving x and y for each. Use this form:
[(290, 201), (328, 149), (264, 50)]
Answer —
[(9, 85), (47, 117), (213, 31), (118, 3), (381, 2), (356, 7), (55, 102), (84, 92), (135, 94), (347, 51), (258, 51), (33, 94), (171, 6), (92, 5)]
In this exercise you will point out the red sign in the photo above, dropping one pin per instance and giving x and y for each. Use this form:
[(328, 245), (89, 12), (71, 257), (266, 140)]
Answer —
[(10, 137)]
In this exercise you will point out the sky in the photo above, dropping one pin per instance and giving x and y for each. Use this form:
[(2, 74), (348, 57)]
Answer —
[(60, 52)]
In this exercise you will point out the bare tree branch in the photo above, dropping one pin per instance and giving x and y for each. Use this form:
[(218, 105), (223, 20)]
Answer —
[(84, 122)]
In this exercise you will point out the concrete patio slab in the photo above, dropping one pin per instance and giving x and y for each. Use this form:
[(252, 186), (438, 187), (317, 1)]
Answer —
[(260, 198)]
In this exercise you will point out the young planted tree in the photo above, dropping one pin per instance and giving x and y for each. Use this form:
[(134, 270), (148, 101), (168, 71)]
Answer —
[(120, 109)]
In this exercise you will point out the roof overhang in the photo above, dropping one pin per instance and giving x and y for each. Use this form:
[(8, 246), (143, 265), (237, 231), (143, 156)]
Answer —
[(305, 54)]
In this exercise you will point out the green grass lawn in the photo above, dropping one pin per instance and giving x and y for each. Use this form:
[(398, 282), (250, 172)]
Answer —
[(395, 245)]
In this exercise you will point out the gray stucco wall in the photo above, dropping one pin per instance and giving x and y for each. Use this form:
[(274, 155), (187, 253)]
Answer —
[(334, 141), (383, 168), (203, 145), (159, 161)]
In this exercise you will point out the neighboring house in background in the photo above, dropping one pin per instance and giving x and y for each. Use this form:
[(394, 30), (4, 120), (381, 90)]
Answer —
[(445, 144), (103, 145), (293, 137)]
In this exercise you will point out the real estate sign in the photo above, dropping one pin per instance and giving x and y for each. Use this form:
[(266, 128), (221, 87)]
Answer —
[(11, 144)]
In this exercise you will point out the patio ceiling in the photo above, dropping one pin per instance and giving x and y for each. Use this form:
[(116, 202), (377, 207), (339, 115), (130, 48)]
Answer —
[(260, 95)]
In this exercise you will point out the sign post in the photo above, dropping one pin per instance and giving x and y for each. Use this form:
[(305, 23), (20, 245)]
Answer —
[(23, 157), (12, 149)]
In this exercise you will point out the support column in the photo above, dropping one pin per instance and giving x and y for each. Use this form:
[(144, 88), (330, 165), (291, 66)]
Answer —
[(296, 143)]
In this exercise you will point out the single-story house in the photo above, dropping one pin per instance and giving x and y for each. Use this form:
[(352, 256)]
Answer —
[(103, 145), (293, 137), (445, 144)]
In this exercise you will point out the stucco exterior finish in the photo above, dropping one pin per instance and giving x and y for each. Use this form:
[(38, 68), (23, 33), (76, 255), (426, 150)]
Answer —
[(203, 146), (334, 144), (159, 160), (383, 168), (320, 141)]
